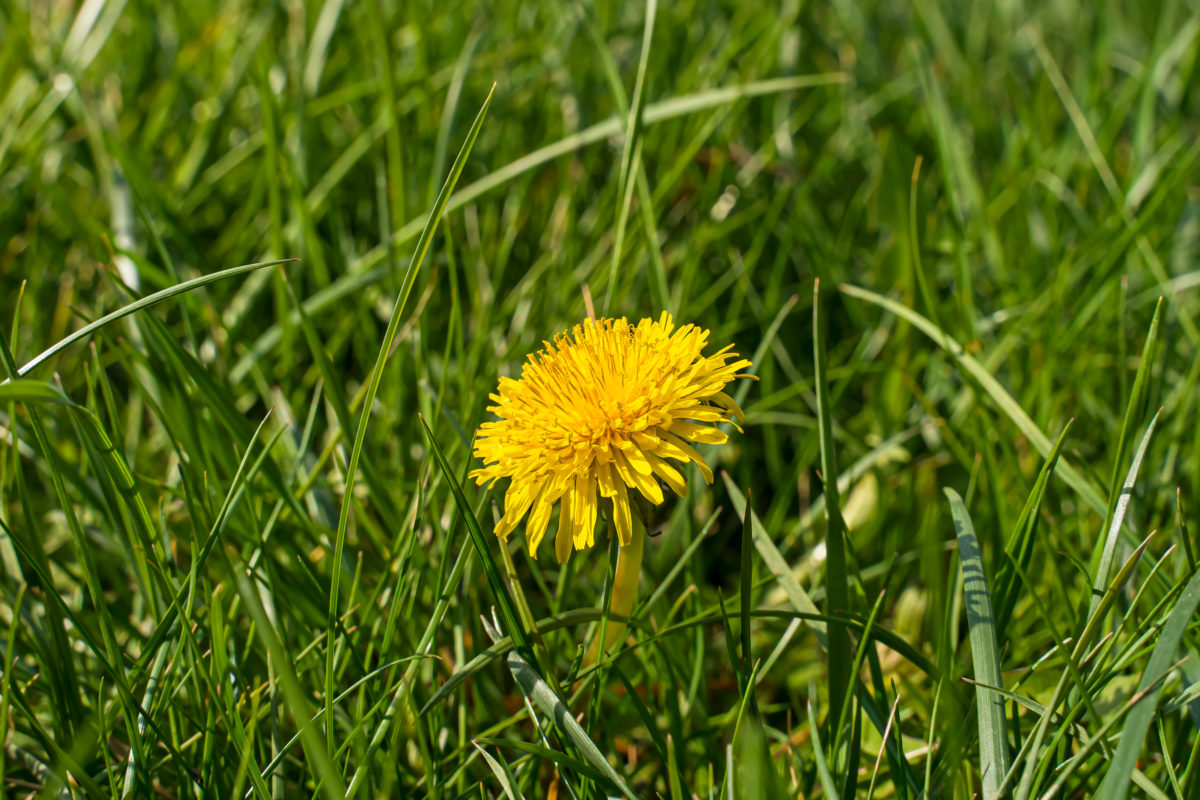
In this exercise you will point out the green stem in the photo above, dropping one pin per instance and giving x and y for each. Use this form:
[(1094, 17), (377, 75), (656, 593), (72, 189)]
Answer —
[(624, 591)]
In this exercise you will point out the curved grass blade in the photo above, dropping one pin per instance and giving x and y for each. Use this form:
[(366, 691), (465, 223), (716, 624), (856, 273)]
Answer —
[(553, 756), (993, 740), (503, 774), (24, 390), (998, 393), (138, 305)]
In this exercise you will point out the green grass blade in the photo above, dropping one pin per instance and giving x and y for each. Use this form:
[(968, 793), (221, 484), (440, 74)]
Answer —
[(549, 703), (819, 757), (993, 739), (778, 565), (138, 305), (503, 774), (315, 751), (508, 610), (1133, 412), (1020, 544), (1116, 780), (24, 390), (631, 154), (1104, 567), (992, 387), (385, 347), (747, 586), (836, 578)]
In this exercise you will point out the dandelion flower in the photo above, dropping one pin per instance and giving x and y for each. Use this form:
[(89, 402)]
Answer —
[(609, 410)]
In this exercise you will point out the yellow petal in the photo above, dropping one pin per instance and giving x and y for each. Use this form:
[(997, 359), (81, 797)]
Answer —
[(644, 483), (584, 512), (535, 529), (636, 460), (690, 455), (669, 474), (728, 403), (517, 499), (566, 527), (621, 517), (608, 483), (704, 434)]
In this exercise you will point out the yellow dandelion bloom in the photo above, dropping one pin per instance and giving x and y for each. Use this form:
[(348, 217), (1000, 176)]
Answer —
[(599, 413)]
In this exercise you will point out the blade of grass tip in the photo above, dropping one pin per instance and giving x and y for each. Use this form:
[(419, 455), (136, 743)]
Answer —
[(836, 582), (1100, 579), (993, 739), (630, 153), (1120, 770), (360, 433), (1133, 412), (992, 387), (138, 305), (508, 611)]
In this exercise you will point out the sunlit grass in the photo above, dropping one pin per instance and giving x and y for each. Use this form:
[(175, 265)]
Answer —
[(993, 200)]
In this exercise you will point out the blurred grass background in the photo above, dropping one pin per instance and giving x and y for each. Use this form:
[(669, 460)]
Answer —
[(1022, 176)]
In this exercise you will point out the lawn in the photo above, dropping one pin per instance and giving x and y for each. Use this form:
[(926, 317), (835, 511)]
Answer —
[(262, 265)]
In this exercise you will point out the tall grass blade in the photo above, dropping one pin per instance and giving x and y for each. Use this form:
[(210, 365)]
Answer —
[(993, 739), (836, 578), (1116, 780)]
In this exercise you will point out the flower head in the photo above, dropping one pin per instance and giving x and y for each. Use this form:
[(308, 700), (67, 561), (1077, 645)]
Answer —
[(601, 411)]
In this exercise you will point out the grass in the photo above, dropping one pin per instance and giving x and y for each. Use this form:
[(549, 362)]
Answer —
[(240, 554)]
